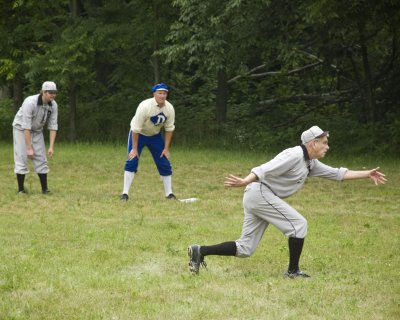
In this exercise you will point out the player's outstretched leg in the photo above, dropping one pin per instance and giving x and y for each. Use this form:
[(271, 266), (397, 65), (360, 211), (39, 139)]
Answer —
[(195, 258)]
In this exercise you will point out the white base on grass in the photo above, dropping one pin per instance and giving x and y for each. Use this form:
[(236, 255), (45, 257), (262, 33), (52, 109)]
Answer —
[(189, 200)]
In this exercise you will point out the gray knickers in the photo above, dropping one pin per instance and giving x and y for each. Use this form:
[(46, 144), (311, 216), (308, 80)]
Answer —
[(262, 207), (20, 157)]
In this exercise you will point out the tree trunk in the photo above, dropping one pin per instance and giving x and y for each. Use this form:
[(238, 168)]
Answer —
[(156, 60), (222, 97), (156, 64), (76, 9), (17, 93), (72, 111), (367, 85)]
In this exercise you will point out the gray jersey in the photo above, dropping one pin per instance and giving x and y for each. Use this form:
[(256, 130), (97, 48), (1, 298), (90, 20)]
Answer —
[(287, 172), (33, 114)]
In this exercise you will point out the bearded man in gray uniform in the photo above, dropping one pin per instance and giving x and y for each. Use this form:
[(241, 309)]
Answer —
[(28, 137), (266, 186)]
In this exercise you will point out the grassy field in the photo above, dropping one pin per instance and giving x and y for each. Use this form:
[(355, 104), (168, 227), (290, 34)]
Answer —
[(80, 253)]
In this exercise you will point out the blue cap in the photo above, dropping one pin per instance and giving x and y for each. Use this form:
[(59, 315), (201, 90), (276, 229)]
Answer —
[(160, 86)]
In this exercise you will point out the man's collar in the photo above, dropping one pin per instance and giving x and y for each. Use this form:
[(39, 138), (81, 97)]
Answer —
[(40, 101), (305, 152)]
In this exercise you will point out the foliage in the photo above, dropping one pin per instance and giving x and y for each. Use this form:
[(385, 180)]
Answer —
[(278, 67), (290, 64), (6, 119)]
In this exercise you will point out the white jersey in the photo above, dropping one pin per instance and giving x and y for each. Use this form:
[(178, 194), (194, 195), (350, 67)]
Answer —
[(287, 172), (33, 114), (149, 119)]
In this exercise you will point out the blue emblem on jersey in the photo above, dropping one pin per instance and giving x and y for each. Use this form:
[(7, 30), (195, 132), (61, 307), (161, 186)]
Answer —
[(159, 119)]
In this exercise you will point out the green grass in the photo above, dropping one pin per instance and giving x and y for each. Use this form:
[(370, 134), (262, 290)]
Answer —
[(82, 254)]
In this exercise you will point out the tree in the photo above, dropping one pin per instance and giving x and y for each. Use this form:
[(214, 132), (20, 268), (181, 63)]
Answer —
[(24, 29)]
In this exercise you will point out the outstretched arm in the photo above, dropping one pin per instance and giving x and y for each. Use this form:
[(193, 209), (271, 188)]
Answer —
[(376, 176), (233, 181)]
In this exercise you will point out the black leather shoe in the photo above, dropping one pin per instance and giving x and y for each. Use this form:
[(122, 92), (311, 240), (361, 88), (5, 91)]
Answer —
[(296, 274), (171, 196), (124, 197), (47, 191)]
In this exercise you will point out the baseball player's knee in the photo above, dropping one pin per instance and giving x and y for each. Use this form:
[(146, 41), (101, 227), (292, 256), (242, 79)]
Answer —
[(165, 172), (41, 168), (244, 249), (164, 168), (131, 165), (301, 229), (296, 228), (21, 170)]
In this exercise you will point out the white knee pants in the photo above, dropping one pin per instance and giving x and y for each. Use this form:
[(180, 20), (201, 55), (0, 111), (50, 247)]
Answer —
[(20, 156), (261, 208)]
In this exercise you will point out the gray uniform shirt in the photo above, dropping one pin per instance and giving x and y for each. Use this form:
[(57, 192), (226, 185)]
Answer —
[(287, 172), (33, 114)]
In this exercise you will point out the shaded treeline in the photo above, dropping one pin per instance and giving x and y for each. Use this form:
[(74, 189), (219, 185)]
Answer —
[(248, 74)]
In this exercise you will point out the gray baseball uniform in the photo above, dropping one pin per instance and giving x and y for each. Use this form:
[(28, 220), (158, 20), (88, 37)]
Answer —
[(33, 115), (278, 179)]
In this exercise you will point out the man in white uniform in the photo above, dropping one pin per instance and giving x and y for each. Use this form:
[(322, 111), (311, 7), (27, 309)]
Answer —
[(151, 116), (28, 137), (266, 186)]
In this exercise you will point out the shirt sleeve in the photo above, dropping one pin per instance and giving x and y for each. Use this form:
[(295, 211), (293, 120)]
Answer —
[(27, 114), (277, 166), (139, 118), (170, 123), (319, 169)]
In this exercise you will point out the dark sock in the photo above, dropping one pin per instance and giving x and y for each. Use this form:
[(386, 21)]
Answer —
[(43, 180), (222, 249), (295, 248), (20, 180)]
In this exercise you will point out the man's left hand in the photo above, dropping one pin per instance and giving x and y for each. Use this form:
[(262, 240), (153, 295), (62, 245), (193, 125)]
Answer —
[(165, 153), (377, 177)]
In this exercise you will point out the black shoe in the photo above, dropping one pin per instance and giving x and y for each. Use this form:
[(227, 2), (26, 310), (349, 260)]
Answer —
[(46, 191), (171, 196), (22, 191), (296, 274), (196, 259), (124, 197)]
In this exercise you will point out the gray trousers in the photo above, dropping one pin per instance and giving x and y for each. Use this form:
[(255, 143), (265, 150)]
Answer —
[(20, 156), (261, 208)]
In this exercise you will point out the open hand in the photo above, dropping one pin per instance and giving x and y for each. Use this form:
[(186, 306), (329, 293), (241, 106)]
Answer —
[(377, 177), (233, 181)]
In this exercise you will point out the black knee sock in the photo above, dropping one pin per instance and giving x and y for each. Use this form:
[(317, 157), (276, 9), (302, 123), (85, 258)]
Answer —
[(222, 249), (43, 180), (295, 248), (20, 180)]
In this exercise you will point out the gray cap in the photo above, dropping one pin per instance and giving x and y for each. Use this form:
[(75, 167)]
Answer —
[(49, 86), (313, 133)]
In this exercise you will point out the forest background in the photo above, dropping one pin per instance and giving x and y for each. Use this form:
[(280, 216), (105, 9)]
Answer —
[(243, 74)]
